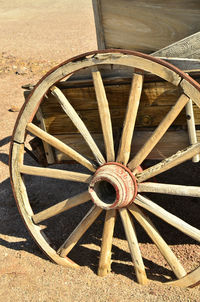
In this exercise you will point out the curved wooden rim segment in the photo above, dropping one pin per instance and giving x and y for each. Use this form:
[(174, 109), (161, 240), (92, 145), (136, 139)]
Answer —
[(190, 280)]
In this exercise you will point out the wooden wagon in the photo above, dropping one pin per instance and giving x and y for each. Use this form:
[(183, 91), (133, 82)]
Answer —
[(110, 111)]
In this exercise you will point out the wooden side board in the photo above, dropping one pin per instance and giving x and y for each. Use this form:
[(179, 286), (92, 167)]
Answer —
[(144, 26), (98, 24), (185, 48), (156, 100), (177, 140)]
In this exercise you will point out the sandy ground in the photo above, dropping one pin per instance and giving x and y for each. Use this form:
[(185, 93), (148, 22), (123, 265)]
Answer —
[(34, 36)]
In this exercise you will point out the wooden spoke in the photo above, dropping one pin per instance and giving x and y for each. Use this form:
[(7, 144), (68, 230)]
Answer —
[(106, 246), (129, 123), (170, 162), (104, 113), (168, 217), (133, 246), (169, 189), (82, 227), (56, 173), (61, 207), (60, 146), (159, 132), (153, 233), (69, 110)]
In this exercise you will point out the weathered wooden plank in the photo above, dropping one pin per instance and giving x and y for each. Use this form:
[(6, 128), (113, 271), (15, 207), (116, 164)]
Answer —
[(118, 75), (134, 24), (176, 139), (117, 93), (98, 24), (148, 117), (188, 47), (156, 99), (184, 64), (77, 141)]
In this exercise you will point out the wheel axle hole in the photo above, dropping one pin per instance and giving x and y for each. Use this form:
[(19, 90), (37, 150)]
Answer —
[(105, 192)]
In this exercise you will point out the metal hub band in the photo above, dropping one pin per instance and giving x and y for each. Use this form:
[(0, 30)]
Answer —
[(113, 186)]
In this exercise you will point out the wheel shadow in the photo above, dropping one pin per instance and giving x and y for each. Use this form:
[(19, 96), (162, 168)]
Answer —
[(4, 158), (12, 226), (11, 223), (5, 140), (121, 261)]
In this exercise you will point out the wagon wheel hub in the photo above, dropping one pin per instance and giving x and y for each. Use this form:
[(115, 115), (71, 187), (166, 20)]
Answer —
[(113, 186)]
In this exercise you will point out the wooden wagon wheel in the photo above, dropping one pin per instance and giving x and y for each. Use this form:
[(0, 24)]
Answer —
[(115, 183)]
